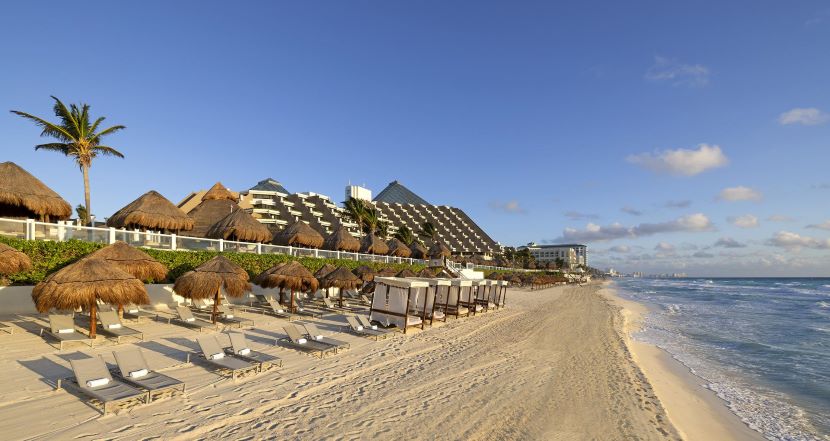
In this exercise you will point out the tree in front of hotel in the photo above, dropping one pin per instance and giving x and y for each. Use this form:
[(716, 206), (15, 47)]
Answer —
[(78, 137)]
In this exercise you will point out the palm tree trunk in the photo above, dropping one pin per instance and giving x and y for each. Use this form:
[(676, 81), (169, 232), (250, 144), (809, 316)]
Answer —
[(85, 170)]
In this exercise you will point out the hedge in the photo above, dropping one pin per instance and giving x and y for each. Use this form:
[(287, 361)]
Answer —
[(48, 257)]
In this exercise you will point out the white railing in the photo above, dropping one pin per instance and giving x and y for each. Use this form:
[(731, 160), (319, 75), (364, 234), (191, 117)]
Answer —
[(32, 230)]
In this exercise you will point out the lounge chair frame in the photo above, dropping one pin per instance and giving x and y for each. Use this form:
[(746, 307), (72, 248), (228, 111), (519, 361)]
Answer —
[(85, 367), (60, 321), (311, 346), (154, 382)]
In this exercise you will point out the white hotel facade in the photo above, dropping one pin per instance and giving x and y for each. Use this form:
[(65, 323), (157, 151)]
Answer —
[(572, 254)]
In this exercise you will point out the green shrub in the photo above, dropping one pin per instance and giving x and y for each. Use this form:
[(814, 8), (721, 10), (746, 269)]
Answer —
[(48, 257)]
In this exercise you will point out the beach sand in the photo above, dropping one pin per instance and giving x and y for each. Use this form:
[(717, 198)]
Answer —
[(553, 365)]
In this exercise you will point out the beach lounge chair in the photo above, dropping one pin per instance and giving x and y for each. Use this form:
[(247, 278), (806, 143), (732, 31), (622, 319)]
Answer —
[(201, 305), (215, 356), (336, 308), (111, 325), (275, 309), (227, 316), (94, 380), (62, 328), (133, 312), (297, 341), (134, 370), (364, 321), (300, 308), (6, 328), (185, 318), (240, 348), (315, 334), (365, 300), (358, 329)]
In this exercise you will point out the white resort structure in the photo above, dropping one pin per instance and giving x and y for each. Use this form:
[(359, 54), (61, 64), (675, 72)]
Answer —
[(572, 255)]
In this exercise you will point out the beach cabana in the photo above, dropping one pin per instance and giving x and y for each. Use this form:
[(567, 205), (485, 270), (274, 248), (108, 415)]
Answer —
[(499, 293), (452, 303), (216, 203), (391, 302), (398, 248), (292, 276), (418, 251), (341, 240), (428, 304), (151, 211), (209, 279), (23, 195), (342, 279), (299, 234), (468, 297), (84, 283), (132, 260), (239, 225), (13, 261), (371, 244)]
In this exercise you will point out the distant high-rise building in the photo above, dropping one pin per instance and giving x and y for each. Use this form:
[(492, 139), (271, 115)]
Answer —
[(358, 192)]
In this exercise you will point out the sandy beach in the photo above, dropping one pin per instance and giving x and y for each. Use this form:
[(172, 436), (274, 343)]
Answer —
[(553, 365)]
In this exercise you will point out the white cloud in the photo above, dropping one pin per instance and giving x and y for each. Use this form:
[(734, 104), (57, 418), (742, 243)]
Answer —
[(575, 215), (822, 226), (664, 246), (508, 207), (780, 218), (595, 233), (795, 241), (739, 193), (803, 116), (745, 221), (682, 162), (678, 74), (622, 249), (728, 242), (631, 211)]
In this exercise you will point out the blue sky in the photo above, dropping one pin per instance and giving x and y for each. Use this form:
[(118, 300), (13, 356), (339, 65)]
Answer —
[(617, 124)]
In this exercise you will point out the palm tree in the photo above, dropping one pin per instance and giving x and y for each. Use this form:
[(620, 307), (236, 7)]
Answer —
[(370, 220), (356, 209), (404, 234), (78, 138), (428, 231), (81, 210), (383, 229)]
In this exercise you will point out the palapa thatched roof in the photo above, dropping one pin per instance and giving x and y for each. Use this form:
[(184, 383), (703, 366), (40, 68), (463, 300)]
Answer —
[(23, 195), (292, 275), (83, 283), (299, 234), (239, 225), (208, 213), (426, 272), (387, 272), (151, 211), (443, 274), (366, 273), (13, 261), (132, 260), (495, 276), (398, 248), (325, 269), (341, 278), (206, 280), (341, 240), (418, 251), (515, 279), (438, 250), (371, 244), (406, 272), (219, 192)]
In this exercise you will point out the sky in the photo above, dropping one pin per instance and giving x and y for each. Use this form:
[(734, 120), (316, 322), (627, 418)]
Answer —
[(667, 136)]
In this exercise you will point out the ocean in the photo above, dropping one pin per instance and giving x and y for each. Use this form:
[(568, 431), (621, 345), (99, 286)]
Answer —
[(763, 345)]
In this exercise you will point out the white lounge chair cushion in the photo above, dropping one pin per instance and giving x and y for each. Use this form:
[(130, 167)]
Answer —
[(302, 341), (114, 326), (217, 356), (318, 337), (139, 373), (299, 309), (244, 351), (190, 319), (280, 311), (375, 327), (228, 315), (359, 328), (132, 311), (97, 382), (65, 331)]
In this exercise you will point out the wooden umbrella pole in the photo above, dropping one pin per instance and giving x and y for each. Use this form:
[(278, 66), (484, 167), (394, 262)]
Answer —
[(341, 296), (291, 301), (92, 319), (120, 311), (216, 305)]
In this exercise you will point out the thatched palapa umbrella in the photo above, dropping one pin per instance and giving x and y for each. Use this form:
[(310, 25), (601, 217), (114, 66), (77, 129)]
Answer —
[(426, 272), (372, 244), (83, 283), (340, 278), (438, 250), (23, 195), (342, 240), (216, 203), (398, 248), (325, 269), (13, 261), (239, 225), (406, 272), (292, 276), (151, 211), (443, 274), (418, 251), (132, 260), (387, 272), (210, 278), (366, 273), (299, 234)]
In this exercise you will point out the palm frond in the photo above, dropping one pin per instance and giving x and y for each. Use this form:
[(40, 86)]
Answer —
[(107, 131), (68, 120), (49, 129), (97, 122), (55, 147), (106, 151)]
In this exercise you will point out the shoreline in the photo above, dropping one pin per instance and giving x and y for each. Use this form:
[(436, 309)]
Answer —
[(695, 411)]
